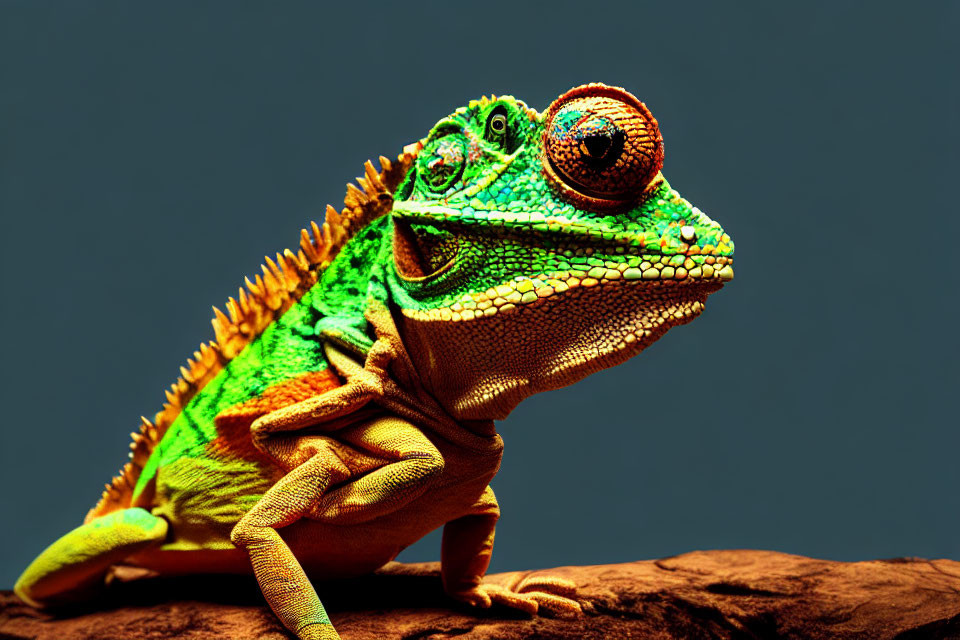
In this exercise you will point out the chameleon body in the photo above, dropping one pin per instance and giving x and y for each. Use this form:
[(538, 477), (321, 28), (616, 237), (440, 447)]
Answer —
[(346, 407)]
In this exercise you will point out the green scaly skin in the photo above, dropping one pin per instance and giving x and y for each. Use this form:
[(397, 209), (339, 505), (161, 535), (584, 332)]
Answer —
[(483, 253)]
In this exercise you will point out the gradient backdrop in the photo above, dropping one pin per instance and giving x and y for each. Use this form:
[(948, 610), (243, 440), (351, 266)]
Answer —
[(152, 153)]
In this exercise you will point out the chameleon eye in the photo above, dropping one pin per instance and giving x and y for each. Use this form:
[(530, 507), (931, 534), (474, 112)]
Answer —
[(496, 128), (440, 164), (602, 146)]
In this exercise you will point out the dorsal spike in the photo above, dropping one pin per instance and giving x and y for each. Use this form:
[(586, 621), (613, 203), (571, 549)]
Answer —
[(274, 269), (243, 300), (234, 310), (261, 287), (220, 317), (331, 216), (355, 197), (254, 290), (294, 261), (372, 175), (308, 247)]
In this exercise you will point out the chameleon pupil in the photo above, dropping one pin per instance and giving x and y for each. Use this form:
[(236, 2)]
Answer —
[(596, 145)]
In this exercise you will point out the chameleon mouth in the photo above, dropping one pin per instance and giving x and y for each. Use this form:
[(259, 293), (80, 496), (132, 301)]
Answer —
[(542, 226), (686, 285)]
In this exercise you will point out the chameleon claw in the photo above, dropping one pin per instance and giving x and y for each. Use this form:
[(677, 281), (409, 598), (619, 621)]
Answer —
[(476, 597)]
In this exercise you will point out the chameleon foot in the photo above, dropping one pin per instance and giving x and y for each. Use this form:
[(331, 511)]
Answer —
[(530, 594), (556, 596)]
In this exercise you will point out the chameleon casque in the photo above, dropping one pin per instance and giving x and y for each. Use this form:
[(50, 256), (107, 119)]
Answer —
[(346, 407)]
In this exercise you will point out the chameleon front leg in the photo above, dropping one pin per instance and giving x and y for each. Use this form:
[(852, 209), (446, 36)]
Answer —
[(74, 566), (465, 555), (285, 586), (395, 463)]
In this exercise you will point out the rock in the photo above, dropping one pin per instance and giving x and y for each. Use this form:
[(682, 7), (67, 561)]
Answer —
[(746, 595)]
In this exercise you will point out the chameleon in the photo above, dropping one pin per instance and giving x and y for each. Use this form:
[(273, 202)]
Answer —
[(347, 404)]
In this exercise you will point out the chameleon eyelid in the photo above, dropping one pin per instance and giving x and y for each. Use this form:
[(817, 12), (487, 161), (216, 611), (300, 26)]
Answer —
[(445, 128)]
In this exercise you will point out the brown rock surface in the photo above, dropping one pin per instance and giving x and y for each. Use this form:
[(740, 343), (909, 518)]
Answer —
[(741, 595)]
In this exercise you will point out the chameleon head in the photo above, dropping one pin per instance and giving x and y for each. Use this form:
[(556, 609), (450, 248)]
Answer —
[(531, 250)]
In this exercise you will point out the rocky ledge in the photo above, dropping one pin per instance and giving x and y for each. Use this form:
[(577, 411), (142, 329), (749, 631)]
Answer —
[(744, 595)]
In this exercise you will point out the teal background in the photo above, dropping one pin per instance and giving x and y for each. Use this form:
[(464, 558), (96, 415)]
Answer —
[(152, 153)]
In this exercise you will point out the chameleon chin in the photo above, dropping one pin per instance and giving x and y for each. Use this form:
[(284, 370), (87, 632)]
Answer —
[(346, 406)]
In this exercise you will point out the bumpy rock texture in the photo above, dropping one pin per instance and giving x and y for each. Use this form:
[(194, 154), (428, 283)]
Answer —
[(741, 595)]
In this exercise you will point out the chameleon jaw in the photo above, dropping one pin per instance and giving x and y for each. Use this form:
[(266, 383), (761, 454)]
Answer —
[(653, 273), (547, 343)]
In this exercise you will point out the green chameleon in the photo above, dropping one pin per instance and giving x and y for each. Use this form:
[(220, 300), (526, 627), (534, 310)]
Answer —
[(346, 407)]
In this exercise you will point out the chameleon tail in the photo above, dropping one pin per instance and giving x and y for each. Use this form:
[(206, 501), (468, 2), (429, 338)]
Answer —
[(77, 563)]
